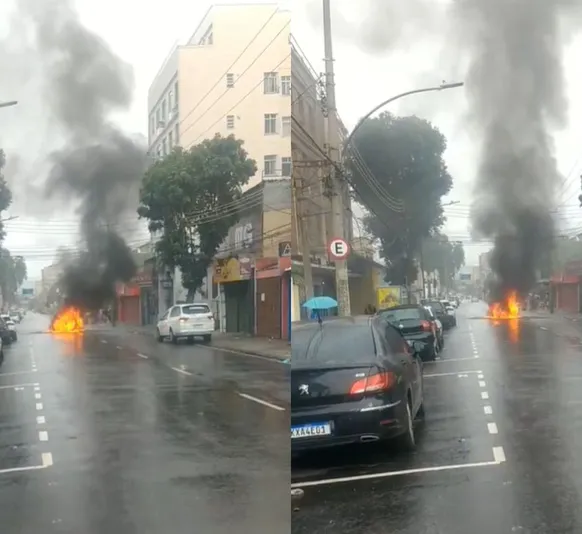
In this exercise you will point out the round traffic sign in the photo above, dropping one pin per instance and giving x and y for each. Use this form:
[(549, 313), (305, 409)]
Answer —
[(339, 249)]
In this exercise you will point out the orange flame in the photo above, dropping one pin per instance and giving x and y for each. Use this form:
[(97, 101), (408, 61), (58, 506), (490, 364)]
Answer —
[(507, 309), (68, 321)]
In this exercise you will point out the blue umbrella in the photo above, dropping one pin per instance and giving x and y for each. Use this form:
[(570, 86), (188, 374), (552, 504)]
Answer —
[(320, 303)]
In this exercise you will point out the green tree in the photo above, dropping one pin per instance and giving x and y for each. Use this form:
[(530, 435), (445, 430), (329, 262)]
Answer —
[(5, 193), (405, 157), (12, 274), (190, 195), (444, 256)]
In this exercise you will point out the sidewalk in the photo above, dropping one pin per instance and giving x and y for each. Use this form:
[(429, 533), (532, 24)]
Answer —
[(278, 349)]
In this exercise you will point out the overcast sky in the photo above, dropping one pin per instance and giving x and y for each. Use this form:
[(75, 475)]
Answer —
[(143, 33)]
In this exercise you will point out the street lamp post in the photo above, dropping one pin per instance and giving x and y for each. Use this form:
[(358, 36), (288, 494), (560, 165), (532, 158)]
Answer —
[(8, 104)]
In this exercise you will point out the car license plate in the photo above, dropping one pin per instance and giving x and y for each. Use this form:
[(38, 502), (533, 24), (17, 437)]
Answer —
[(311, 431)]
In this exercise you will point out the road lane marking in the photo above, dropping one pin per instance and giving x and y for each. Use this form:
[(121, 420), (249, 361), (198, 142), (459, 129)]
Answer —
[(454, 360), (17, 373), (18, 386), (40, 420), (543, 327), (499, 454), (488, 410), (482, 384), (103, 341), (142, 356), (484, 395), (43, 435), (492, 427), (47, 459), (119, 347), (247, 354), (36, 388), (39, 406), (387, 474), (456, 373), (261, 401), (178, 370), (480, 377), (37, 396)]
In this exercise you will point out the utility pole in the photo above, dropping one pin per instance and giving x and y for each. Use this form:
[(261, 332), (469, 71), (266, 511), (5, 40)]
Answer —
[(422, 269), (301, 229), (332, 146)]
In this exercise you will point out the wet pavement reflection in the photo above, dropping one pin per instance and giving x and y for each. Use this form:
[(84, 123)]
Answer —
[(117, 443), (498, 452)]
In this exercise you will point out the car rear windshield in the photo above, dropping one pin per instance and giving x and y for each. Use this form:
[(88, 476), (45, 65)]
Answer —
[(436, 306), (402, 314), (195, 309), (331, 344)]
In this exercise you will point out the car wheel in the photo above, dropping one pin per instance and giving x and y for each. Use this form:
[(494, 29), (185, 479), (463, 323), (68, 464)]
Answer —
[(173, 338), (160, 337), (1, 356), (190, 340), (408, 439), (15, 337), (207, 338)]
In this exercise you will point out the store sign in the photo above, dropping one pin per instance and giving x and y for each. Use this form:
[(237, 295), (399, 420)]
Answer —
[(243, 236)]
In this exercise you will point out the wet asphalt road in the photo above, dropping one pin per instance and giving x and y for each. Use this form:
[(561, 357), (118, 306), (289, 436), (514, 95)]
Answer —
[(95, 438), (499, 452)]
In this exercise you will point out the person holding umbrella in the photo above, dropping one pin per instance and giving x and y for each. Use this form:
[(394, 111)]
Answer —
[(318, 304)]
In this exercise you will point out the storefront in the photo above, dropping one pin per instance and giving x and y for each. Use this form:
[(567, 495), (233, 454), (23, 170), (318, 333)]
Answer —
[(234, 277), (128, 304), (566, 292), (273, 297)]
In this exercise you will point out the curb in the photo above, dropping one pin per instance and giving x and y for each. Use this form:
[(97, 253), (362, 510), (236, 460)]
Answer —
[(279, 359)]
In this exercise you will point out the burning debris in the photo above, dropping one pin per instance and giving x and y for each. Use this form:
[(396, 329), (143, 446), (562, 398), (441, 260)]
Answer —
[(68, 320), (100, 167), (508, 308)]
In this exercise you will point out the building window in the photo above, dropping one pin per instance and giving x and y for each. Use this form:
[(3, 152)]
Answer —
[(210, 39), (286, 167), (158, 117), (171, 101), (176, 102), (170, 140), (286, 85), (152, 126), (271, 83), (270, 123), (230, 122), (165, 147), (164, 110), (285, 126), (270, 165), (230, 80), (177, 134), (159, 151)]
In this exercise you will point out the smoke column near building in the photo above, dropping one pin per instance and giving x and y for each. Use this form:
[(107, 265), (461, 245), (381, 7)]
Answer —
[(515, 88), (100, 167)]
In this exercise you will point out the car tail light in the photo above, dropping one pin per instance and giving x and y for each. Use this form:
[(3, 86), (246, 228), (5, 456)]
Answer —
[(373, 383), (183, 319), (426, 326)]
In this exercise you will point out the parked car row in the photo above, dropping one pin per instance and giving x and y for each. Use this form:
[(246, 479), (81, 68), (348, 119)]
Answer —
[(360, 379), (8, 333)]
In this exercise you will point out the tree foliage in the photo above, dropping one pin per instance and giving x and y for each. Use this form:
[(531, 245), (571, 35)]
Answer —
[(405, 157), (12, 274), (190, 197), (444, 256)]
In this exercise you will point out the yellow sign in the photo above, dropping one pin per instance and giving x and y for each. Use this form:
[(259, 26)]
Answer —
[(232, 270), (387, 297)]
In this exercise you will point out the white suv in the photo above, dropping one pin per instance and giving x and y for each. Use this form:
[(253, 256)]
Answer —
[(186, 321)]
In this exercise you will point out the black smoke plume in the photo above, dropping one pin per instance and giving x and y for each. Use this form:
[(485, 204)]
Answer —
[(515, 87), (100, 167)]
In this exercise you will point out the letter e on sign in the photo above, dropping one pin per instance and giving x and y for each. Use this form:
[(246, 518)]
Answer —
[(338, 249)]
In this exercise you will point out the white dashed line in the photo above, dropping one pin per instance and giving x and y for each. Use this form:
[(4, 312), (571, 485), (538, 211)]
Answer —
[(484, 395), (39, 406), (456, 359), (17, 386), (488, 410), (40, 420), (499, 454), (543, 328), (178, 370), (480, 377), (142, 356), (492, 427), (37, 396), (47, 459), (462, 373), (103, 341), (261, 401), (482, 383), (43, 435), (119, 347)]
